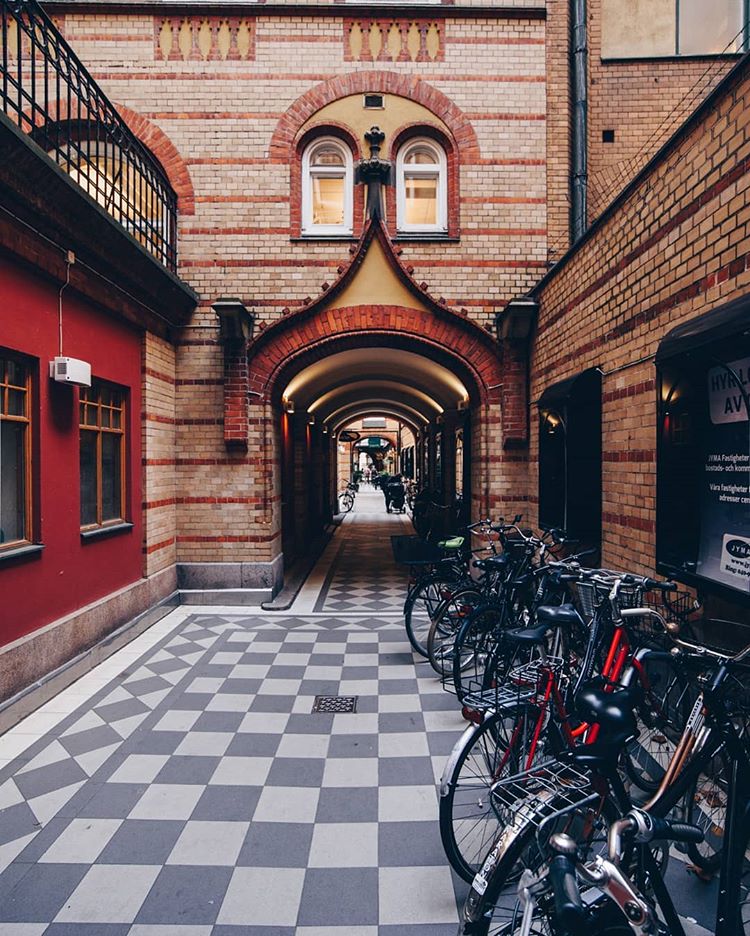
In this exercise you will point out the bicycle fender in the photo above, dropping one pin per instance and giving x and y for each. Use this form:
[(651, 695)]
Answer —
[(452, 762)]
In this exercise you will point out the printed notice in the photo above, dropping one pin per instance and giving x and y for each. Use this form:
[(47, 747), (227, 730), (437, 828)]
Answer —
[(724, 551)]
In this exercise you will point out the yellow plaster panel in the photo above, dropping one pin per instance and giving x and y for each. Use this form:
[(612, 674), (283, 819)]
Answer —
[(633, 28), (376, 283), (396, 112)]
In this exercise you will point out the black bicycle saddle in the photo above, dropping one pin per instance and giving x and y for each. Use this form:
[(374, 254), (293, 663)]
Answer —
[(558, 615), (612, 709)]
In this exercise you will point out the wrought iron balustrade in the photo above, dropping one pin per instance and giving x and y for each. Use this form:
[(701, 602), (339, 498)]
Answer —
[(50, 95)]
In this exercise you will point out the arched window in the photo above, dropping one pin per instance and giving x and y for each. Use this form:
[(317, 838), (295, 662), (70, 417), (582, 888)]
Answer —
[(327, 183), (421, 187)]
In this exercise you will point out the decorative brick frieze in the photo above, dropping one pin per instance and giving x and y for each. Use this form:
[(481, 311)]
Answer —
[(393, 40), (204, 38)]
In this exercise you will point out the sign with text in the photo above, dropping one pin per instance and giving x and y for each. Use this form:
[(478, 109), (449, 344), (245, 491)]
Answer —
[(724, 553)]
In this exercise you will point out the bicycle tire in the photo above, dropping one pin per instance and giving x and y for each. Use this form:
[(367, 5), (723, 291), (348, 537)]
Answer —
[(422, 603), (496, 912), (706, 806), (483, 754), (444, 628), (661, 718)]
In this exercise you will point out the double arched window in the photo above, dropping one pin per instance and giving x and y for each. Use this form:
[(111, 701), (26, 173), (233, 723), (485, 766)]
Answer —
[(420, 182), (327, 184), (421, 188)]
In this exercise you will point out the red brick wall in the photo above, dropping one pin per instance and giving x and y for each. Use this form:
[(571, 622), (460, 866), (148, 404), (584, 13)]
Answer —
[(678, 246)]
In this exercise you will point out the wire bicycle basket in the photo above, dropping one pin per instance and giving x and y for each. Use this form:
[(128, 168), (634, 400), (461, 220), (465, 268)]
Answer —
[(526, 683)]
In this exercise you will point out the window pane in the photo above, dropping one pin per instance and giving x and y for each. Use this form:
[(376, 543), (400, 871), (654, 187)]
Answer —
[(12, 481), (327, 156), (16, 403), (421, 200), (111, 506), (88, 478), (16, 373), (421, 156), (327, 200), (710, 27)]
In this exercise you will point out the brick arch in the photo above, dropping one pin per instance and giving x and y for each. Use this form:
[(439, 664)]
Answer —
[(175, 167), (406, 86), (300, 339)]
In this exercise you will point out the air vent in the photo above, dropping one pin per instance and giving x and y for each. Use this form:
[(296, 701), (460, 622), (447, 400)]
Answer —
[(338, 704), (374, 101), (608, 136)]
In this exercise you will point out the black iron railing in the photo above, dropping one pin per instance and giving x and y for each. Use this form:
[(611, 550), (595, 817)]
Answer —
[(51, 96)]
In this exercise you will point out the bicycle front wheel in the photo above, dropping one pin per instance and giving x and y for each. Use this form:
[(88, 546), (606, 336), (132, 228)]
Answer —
[(421, 607), (500, 747), (445, 626)]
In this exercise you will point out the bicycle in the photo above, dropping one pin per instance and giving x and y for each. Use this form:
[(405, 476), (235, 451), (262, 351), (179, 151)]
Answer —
[(630, 878), (509, 733)]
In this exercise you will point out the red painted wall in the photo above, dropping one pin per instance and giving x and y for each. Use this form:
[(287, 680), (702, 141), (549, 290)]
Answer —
[(69, 573)]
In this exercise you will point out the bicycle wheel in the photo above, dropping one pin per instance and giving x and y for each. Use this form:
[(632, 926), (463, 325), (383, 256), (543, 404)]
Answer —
[(496, 910), (499, 747), (421, 607), (444, 628), (346, 501), (706, 806), (661, 718), (743, 922)]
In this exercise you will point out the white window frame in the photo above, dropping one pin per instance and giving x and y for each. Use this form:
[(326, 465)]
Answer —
[(404, 171), (308, 171)]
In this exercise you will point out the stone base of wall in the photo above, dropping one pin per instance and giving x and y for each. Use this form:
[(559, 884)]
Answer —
[(36, 667), (230, 583)]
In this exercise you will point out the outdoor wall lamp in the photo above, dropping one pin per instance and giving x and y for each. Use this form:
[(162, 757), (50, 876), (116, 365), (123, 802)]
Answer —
[(236, 321), (288, 406), (516, 321)]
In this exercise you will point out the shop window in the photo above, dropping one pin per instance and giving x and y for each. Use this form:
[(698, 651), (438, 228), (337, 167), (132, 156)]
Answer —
[(327, 188), (659, 28), (15, 451), (103, 444), (709, 28), (703, 468), (421, 188), (570, 456)]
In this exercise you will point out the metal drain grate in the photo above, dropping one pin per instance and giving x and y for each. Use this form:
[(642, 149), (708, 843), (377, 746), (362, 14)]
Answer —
[(335, 703)]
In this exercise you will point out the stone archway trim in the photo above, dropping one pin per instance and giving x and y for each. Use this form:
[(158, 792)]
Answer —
[(408, 86), (175, 167)]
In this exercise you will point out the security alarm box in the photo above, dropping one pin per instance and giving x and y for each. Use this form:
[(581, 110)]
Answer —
[(70, 370)]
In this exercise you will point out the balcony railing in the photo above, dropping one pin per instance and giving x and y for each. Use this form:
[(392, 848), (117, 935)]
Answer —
[(50, 95)]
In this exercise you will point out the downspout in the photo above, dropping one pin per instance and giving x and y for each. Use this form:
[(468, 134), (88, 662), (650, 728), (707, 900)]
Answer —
[(579, 134)]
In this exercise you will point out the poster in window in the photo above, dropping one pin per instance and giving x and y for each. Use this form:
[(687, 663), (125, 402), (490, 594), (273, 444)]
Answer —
[(724, 553)]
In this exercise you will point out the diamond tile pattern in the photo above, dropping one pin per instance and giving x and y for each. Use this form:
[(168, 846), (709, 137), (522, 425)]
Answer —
[(198, 795), (252, 816)]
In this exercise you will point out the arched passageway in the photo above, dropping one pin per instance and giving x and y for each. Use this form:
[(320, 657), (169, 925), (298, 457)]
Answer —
[(375, 343), (325, 406)]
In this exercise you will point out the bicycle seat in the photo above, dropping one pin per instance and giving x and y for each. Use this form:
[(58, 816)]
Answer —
[(612, 710), (492, 563), (456, 542), (528, 635), (564, 615)]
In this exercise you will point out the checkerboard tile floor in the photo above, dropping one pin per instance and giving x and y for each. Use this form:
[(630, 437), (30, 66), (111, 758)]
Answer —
[(199, 795), (362, 576), (196, 794)]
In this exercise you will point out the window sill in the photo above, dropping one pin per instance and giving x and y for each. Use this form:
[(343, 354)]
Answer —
[(99, 532), (21, 552), (428, 237), (323, 237), (701, 57)]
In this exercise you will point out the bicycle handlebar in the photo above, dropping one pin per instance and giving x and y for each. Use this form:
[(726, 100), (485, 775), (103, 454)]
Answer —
[(570, 914)]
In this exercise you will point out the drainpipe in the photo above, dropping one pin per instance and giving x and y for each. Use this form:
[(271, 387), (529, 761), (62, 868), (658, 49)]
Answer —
[(579, 142)]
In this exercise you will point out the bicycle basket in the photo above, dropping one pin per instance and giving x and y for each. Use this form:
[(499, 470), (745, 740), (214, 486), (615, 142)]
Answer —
[(529, 682), (590, 595)]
